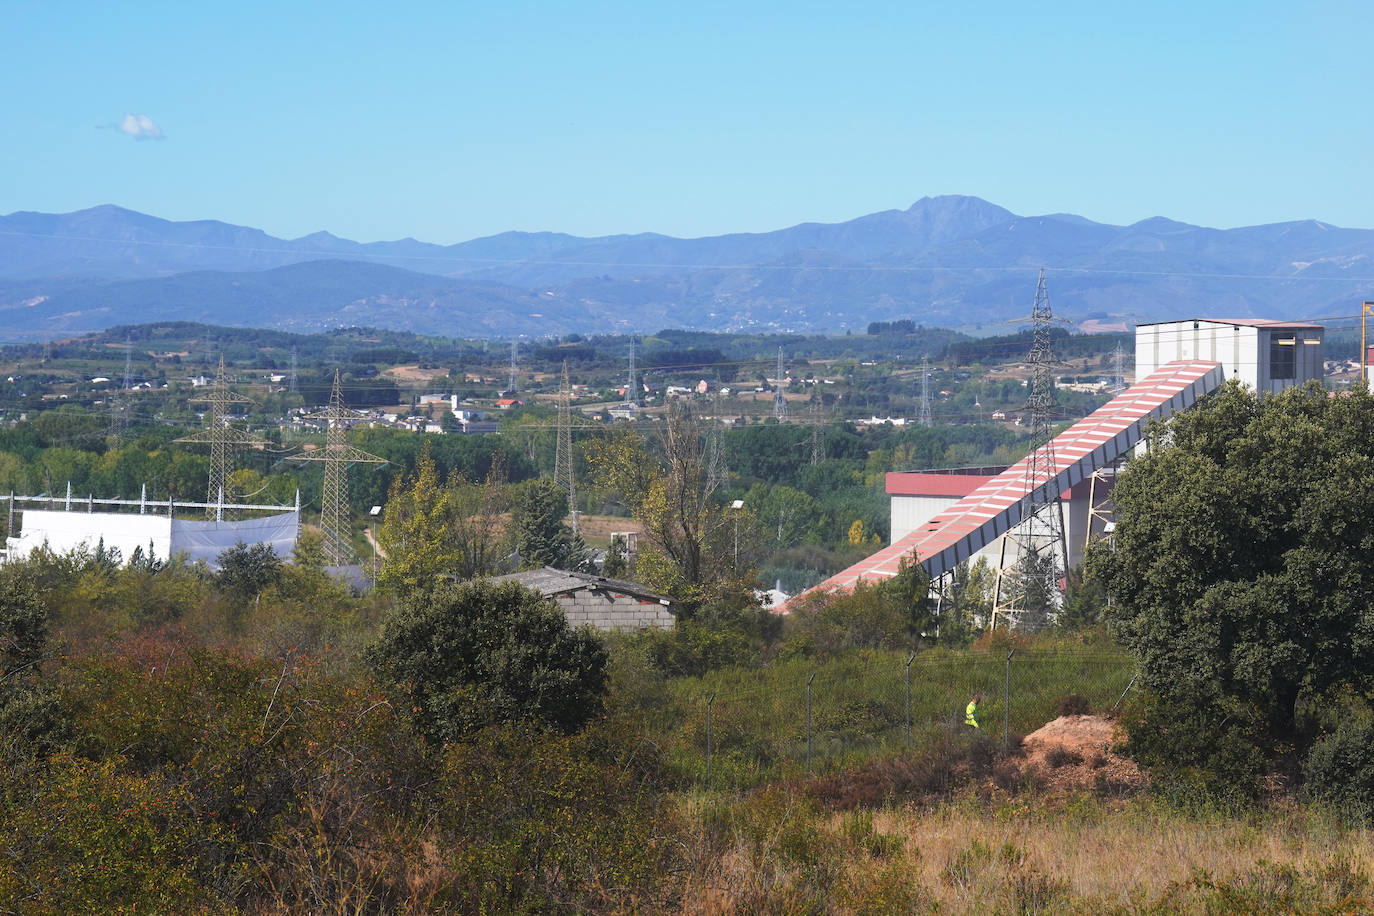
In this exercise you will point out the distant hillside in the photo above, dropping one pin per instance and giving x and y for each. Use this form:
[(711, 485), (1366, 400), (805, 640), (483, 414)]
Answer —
[(312, 296), (944, 261)]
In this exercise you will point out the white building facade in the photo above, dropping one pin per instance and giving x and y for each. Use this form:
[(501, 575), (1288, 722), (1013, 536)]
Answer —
[(1266, 356)]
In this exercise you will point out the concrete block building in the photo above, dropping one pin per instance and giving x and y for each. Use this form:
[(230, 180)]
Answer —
[(598, 602)]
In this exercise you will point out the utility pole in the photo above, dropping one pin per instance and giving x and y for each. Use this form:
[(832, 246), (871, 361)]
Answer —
[(1039, 535)]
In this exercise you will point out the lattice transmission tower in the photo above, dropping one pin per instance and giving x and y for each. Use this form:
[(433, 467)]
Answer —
[(923, 417), (1029, 594), (222, 438), (514, 367), (779, 400), (337, 455), (564, 464), (119, 403), (631, 394)]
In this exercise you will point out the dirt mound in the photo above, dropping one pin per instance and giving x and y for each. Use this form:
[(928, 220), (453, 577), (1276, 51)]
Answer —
[(1075, 752)]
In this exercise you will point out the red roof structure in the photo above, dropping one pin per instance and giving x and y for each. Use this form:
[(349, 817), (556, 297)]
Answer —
[(934, 483), (997, 506)]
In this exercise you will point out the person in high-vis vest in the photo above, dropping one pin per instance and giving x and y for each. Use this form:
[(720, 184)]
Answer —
[(971, 711)]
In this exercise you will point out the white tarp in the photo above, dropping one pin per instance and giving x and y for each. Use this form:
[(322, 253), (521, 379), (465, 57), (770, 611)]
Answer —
[(207, 540), (64, 532)]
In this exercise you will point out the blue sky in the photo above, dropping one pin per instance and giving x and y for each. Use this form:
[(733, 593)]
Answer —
[(448, 121)]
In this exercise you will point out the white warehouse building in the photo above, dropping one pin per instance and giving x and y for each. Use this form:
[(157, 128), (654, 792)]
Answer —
[(1267, 356)]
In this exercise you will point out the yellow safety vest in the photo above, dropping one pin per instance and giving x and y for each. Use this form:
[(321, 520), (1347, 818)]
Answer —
[(971, 714)]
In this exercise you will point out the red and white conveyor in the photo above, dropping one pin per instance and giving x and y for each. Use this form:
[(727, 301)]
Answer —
[(1096, 441)]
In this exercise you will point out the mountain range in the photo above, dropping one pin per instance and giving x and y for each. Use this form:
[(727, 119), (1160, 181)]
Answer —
[(950, 260)]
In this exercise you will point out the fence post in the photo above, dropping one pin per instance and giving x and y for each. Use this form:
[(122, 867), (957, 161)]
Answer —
[(709, 702), (1126, 691), (1006, 706), (908, 697), (808, 722)]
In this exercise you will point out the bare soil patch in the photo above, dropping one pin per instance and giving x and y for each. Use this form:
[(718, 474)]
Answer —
[(415, 373), (1075, 752)]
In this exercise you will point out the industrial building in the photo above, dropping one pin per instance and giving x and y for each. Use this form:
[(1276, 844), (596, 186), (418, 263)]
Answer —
[(1266, 356), (940, 520)]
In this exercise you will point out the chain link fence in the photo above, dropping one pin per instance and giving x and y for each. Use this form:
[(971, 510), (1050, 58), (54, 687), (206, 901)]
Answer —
[(793, 722)]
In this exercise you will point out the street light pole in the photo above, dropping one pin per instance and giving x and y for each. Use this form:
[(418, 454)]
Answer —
[(737, 505)]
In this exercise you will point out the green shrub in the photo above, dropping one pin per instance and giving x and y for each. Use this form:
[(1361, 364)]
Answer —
[(537, 822), (480, 653), (1198, 753), (1339, 768), (82, 837)]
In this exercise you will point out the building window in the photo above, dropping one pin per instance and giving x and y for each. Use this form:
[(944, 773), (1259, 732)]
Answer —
[(1283, 358)]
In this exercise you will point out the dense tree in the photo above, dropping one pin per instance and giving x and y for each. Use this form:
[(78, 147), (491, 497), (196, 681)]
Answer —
[(414, 535), (1241, 577), (686, 550), (541, 538), (245, 570), (480, 653), (29, 716)]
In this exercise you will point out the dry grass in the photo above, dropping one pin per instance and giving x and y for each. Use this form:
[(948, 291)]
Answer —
[(1136, 851), (1079, 855)]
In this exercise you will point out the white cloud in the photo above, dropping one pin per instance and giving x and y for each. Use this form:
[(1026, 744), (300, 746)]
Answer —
[(140, 127)]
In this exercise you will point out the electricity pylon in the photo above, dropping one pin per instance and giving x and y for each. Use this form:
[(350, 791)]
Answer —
[(1029, 593), (337, 455), (923, 418), (779, 399), (563, 463), (222, 439)]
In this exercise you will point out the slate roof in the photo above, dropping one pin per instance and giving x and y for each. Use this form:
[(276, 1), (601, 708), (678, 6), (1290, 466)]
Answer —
[(550, 582)]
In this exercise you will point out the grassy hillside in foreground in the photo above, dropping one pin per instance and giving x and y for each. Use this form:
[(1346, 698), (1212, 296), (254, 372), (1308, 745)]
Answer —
[(859, 705)]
